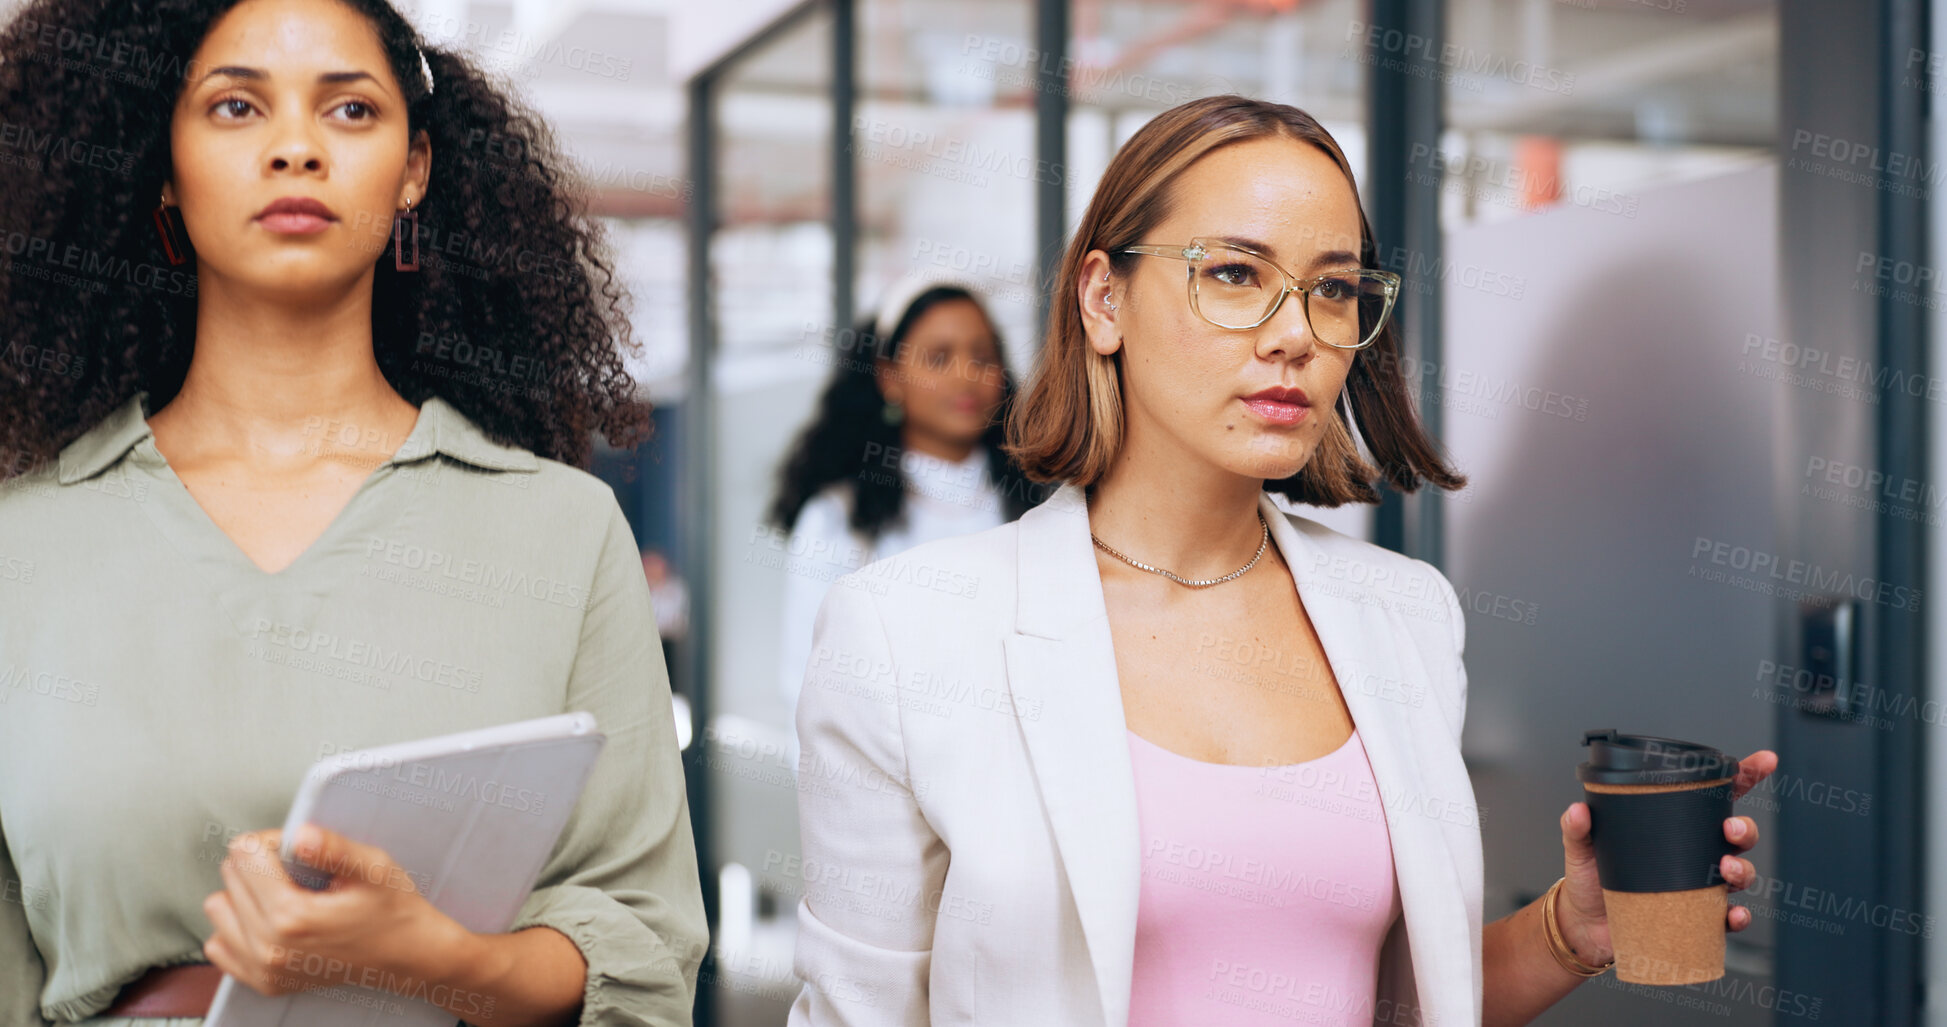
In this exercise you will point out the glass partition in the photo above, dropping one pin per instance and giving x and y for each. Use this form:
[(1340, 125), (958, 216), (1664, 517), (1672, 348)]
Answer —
[(945, 155), (1608, 200), (770, 258), (1134, 60)]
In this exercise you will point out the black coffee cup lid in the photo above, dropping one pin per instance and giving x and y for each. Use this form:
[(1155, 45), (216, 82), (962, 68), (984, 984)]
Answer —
[(1619, 759)]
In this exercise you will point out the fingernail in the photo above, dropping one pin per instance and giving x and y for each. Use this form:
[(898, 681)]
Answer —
[(1737, 828)]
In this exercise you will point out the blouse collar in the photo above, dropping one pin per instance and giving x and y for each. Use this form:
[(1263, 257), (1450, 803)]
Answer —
[(439, 429)]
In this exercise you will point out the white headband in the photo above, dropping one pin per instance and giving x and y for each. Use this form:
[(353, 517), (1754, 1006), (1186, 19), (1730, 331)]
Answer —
[(899, 299), (425, 70)]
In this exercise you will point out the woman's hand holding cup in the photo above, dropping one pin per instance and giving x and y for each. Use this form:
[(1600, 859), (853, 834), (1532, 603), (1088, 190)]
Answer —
[(1581, 912)]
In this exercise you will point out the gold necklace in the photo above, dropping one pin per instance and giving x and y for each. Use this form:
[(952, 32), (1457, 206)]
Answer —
[(1263, 543)]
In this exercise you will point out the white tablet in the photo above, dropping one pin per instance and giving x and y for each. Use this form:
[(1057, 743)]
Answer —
[(471, 818)]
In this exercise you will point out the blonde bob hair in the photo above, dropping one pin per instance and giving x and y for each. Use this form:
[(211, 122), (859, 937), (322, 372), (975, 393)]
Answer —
[(1068, 425)]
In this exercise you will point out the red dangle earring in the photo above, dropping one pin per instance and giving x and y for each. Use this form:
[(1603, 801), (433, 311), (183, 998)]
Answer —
[(405, 224), (166, 220)]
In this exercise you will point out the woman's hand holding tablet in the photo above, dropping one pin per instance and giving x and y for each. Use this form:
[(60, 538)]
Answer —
[(368, 926), (386, 897)]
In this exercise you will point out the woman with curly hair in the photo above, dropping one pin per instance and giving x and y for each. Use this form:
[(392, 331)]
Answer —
[(905, 449), (306, 335)]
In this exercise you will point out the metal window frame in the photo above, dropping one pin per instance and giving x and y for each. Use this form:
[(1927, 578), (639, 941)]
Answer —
[(1898, 638), (695, 557), (1052, 25), (693, 526), (1879, 974), (1406, 107)]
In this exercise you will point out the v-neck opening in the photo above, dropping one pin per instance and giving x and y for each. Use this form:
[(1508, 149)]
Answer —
[(323, 542), (1305, 610)]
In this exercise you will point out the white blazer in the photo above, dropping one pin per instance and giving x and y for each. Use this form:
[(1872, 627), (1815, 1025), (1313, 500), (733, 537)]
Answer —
[(970, 844)]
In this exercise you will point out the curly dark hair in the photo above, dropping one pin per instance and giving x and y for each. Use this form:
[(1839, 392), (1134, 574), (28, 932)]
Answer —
[(850, 425), (517, 274)]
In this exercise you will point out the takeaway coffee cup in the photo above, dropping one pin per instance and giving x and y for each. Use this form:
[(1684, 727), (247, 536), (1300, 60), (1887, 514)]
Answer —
[(1656, 816)]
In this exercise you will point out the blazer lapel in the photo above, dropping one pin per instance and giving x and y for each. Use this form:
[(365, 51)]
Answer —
[(1362, 641), (1061, 672), (1062, 676)]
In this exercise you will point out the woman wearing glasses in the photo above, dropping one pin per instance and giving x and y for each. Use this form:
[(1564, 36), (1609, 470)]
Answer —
[(275, 484), (1182, 758)]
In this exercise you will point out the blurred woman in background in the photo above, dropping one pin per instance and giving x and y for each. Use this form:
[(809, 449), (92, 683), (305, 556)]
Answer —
[(906, 448)]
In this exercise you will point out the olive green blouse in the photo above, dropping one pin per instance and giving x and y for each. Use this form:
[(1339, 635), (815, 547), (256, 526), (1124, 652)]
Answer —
[(160, 693)]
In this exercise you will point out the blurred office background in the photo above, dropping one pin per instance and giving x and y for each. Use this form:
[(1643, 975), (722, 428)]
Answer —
[(1666, 310), (1672, 297)]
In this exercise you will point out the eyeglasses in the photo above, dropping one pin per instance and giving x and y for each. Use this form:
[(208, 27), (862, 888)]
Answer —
[(1232, 287)]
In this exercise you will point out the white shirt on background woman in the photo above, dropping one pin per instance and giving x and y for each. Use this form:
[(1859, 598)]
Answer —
[(944, 498)]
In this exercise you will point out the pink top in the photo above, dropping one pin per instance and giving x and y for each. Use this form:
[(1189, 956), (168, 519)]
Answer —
[(1266, 891)]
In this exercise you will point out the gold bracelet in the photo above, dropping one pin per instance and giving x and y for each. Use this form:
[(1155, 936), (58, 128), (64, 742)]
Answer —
[(1558, 945)]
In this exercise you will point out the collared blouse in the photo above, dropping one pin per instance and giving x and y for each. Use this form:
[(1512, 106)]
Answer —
[(160, 693)]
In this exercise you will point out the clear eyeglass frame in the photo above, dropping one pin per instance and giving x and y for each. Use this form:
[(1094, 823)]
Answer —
[(1198, 248)]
